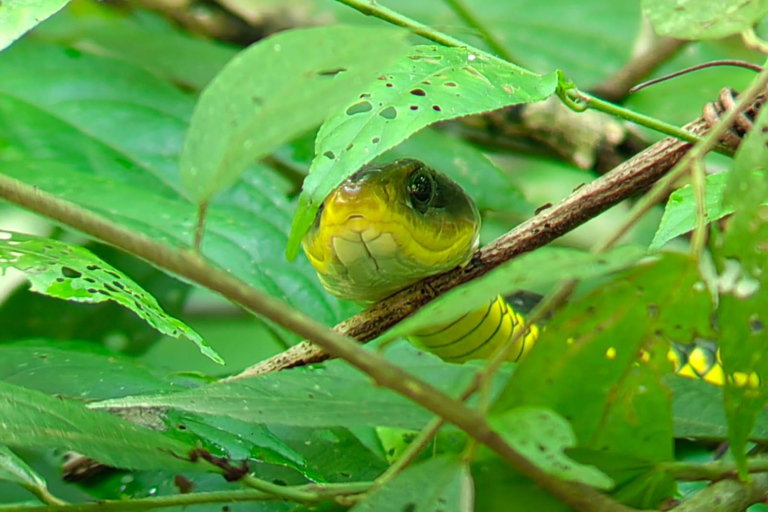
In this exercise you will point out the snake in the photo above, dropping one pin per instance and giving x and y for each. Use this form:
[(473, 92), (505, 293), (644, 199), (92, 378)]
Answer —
[(391, 225)]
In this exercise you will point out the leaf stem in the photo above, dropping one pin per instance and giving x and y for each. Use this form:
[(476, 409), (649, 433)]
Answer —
[(372, 8), (468, 17), (717, 470), (698, 178), (192, 266)]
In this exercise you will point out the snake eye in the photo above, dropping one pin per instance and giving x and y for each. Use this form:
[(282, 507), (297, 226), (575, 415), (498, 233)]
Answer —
[(421, 190)]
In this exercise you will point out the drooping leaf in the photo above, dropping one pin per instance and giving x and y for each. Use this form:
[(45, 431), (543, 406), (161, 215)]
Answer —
[(70, 272), (430, 84), (19, 16), (702, 19), (441, 483), (34, 420), (542, 436), (526, 272), (274, 91), (743, 288)]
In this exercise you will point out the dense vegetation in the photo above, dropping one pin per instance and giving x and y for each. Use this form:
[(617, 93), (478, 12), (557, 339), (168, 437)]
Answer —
[(152, 164)]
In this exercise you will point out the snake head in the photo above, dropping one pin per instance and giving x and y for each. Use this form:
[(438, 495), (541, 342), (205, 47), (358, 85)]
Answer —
[(388, 226)]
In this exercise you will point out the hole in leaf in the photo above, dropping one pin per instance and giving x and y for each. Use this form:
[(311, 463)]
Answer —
[(414, 107), (359, 108), (329, 155), (59, 279), (437, 108), (91, 290), (118, 284), (113, 274), (756, 325), (451, 84), (350, 146), (389, 113), (389, 84), (331, 72), (92, 267), (427, 82), (419, 92)]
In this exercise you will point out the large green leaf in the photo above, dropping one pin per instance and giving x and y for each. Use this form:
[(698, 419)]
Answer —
[(273, 92), (85, 371), (19, 16), (441, 483), (743, 287), (703, 19), (14, 469), (542, 436), (112, 147), (70, 272), (530, 270), (34, 420), (430, 84)]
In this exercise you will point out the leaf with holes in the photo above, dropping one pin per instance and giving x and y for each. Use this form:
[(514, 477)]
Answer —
[(542, 436), (441, 483), (70, 272), (743, 286), (273, 92), (703, 19), (19, 16), (430, 84)]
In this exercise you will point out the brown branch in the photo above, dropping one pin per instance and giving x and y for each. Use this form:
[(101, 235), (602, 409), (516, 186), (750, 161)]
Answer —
[(582, 205), (616, 88), (727, 496)]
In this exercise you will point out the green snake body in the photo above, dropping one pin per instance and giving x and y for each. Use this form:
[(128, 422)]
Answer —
[(389, 226)]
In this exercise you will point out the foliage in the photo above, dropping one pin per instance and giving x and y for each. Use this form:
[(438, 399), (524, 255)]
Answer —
[(160, 129)]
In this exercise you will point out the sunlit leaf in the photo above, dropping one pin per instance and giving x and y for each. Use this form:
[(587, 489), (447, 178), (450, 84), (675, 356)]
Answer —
[(70, 272), (19, 16), (441, 483), (542, 436), (430, 84), (274, 91)]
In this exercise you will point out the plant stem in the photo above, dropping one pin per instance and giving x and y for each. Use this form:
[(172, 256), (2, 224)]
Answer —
[(191, 266), (698, 178), (468, 17), (718, 470), (372, 8)]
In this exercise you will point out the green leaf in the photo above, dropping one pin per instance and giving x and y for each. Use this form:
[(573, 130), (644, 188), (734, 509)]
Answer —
[(236, 440), (71, 272), (698, 411), (19, 16), (743, 288), (680, 212), (441, 483), (703, 19), (528, 271), (542, 436), (431, 84), (14, 469), (273, 92), (72, 147), (32, 419), (85, 371), (621, 407)]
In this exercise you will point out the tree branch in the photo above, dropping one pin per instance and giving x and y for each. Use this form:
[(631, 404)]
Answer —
[(727, 496), (583, 204)]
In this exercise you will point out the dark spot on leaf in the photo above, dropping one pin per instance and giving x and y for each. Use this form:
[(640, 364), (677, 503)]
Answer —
[(113, 274), (450, 84), (391, 452), (375, 140), (389, 84), (437, 108), (92, 267), (345, 474), (418, 92), (414, 107), (277, 481), (351, 145), (256, 100), (359, 108), (118, 284), (389, 113), (756, 325), (182, 427), (329, 155), (310, 396), (91, 290), (71, 273), (59, 279), (331, 72), (409, 507), (427, 82), (105, 293), (73, 53)]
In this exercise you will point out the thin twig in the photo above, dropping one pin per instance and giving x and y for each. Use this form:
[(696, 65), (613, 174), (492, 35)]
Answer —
[(718, 470), (698, 180), (190, 265)]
